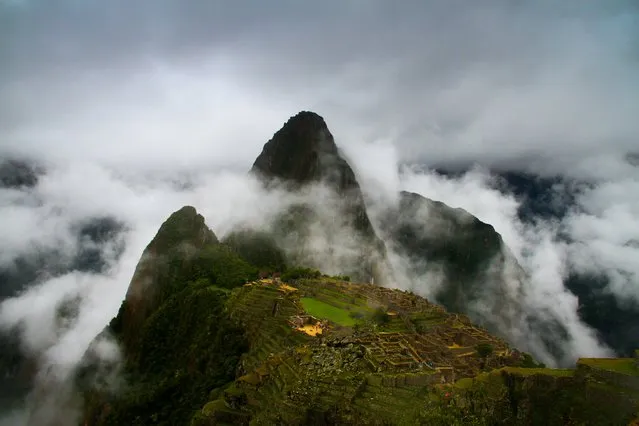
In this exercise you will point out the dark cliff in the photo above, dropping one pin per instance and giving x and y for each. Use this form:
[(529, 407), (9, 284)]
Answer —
[(180, 238), (301, 153)]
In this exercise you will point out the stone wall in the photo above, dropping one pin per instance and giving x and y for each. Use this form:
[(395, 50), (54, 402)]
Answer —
[(402, 380)]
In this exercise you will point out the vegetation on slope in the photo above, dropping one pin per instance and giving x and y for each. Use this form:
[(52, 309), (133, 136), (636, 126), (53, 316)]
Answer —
[(320, 309), (185, 344), (626, 366), (540, 397), (218, 346), (426, 230), (258, 248), (189, 346)]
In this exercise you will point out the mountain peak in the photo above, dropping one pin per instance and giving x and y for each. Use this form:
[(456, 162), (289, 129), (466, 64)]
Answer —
[(185, 225), (304, 151), (177, 241), (307, 118)]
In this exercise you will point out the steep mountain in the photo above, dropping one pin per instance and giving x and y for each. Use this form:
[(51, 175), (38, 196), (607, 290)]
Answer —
[(172, 326), (467, 254), (221, 347), (303, 151), (184, 247), (552, 198), (335, 234), (462, 249), (207, 338), (301, 154)]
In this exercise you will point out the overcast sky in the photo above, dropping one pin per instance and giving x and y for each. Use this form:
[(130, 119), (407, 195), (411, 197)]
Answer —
[(542, 83), (116, 95)]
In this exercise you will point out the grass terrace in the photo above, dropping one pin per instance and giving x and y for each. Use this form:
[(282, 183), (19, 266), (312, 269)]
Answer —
[(319, 309), (619, 365)]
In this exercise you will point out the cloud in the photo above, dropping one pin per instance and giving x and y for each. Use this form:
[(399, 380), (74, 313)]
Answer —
[(138, 109), (548, 86), (80, 191), (535, 246), (606, 233)]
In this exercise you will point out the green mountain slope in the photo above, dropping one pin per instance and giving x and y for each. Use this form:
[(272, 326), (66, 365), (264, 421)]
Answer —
[(178, 340), (466, 253), (219, 346), (207, 339)]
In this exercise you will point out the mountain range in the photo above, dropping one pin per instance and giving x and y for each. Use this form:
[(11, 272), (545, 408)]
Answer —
[(296, 322)]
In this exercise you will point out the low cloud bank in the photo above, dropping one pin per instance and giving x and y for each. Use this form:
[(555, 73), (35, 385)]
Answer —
[(73, 192)]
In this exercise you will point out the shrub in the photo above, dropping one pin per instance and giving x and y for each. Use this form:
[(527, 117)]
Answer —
[(300, 272), (484, 349), (342, 278), (380, 317), (258, 248)]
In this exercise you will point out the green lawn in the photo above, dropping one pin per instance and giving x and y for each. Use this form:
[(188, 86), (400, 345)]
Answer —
[(620, 365), (320, 309)]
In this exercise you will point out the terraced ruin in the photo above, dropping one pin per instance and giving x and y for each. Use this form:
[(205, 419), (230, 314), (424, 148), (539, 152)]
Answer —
[(319, 343), (212, 344), (207, 339), (325, 351), (410, 333)]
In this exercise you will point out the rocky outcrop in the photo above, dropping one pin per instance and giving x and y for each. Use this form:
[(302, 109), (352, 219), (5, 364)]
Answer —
[(179, 238), (465, 256), (175, 336), (430, 233), (301, 153)]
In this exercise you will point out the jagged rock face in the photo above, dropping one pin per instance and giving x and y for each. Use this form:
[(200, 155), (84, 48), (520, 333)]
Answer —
[(466, 252), (304, 152), (434, 231)]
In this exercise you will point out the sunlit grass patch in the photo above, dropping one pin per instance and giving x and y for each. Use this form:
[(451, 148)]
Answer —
[(320, 309)]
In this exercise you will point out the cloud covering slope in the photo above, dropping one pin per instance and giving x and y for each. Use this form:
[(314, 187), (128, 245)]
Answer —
[(136, 110)]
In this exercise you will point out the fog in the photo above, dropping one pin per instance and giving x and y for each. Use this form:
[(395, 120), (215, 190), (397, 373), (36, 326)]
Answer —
[(137, 110)]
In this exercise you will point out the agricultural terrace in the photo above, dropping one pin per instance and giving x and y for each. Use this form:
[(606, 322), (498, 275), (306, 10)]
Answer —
[(411, 333), (626, 366), (340, 315)]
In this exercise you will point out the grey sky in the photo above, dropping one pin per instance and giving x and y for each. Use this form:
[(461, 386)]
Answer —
[(494, 81), (120, 97)]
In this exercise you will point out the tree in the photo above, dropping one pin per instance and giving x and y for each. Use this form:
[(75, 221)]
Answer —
[(380, 317), (484, 350)]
